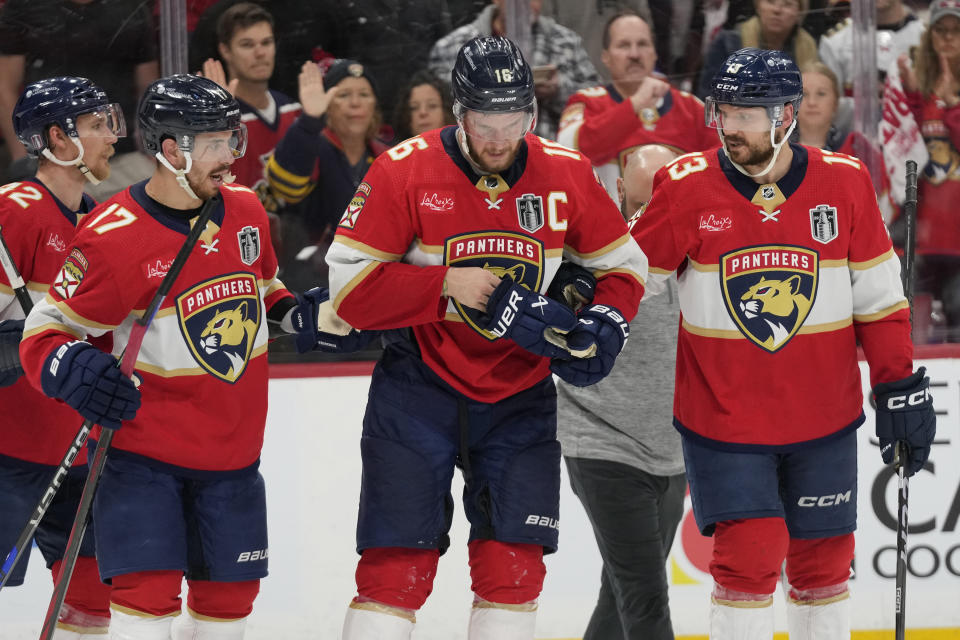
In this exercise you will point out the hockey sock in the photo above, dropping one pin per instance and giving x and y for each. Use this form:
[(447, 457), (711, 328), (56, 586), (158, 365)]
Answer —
[(493, 621), (819, 614), (128, 625), (397, 577), (147, 593), (196, 627), (737, 615), (86, 593), (506, 573), (74, 624), (748, 554), (222, 601), (369, 620)]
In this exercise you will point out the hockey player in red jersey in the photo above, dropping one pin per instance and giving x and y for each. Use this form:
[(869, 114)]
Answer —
[(70, 125), (456, 233), (637, 108), (784, 266), (180, 493)]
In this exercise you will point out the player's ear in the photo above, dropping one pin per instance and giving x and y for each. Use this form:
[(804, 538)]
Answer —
[(789, 114), (57, 139), (172, 152)]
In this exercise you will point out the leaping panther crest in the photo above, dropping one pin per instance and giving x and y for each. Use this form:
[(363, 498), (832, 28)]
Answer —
[(231, 333), (779, 304)]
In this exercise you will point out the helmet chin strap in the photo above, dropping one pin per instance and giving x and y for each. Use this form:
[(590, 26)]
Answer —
[(181, 174), (76, 162), (777, 146)]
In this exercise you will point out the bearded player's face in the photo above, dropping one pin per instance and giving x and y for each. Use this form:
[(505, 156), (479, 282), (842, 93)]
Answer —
[(212, 157)]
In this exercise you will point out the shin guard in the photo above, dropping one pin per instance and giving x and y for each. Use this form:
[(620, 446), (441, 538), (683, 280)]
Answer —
[(127, 625), (375, 621), (491, 621)]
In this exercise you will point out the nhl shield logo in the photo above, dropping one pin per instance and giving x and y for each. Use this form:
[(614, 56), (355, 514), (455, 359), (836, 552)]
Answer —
[(504, 253), (249, 239), (769, 291), (220, 319), (767, 192), (530, 212), (823, 223)]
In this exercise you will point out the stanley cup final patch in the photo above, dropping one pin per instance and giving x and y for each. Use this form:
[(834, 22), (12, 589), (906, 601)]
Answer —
[(823, 223), (769, 291), (530, 212), (249, 239)]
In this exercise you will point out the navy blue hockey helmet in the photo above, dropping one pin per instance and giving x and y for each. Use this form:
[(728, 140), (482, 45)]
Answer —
[(490, 74), (756, 78), (182, 106), (60, 101)]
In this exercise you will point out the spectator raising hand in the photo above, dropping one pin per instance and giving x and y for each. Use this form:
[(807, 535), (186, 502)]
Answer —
[(314, 98), (213, 70), (946, 86)]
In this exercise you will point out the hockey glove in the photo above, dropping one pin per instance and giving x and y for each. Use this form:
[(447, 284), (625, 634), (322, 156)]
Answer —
[(905, 413), (89, 380), (528, 318), (306, 322), (572, 285), (602, 331), (10, 333)]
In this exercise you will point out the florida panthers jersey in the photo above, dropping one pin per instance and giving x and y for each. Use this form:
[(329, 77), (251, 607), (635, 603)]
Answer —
[(777, 283), (204, 358), (422, 209), (37, 228), (603, 125), (262, 136)]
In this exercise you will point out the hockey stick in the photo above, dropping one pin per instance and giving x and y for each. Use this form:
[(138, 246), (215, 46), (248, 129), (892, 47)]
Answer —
[(13, 276), (910, 217), (127, 362)]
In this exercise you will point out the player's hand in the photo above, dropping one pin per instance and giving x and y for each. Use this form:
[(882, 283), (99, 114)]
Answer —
[(649, 93), (470, 286), (528, 318), (908, 78), (905, 414), (572, 285), (313, 97), (602, 330), (306, 320), (213, 70), (11, 331), (89, 380)]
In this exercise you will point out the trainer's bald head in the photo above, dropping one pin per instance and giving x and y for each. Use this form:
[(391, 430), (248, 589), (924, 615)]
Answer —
[(637, 183)]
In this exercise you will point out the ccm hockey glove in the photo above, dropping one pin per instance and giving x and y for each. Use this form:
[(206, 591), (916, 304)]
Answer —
[(528, 318), (89, 380), (905, 413), (306, 322), (602, 331), (10, 333), (572, 285)]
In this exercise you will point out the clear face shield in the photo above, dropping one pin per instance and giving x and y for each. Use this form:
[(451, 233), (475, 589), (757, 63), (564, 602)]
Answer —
[(728, 117), (220, 146), (105, 122), (495, 126)]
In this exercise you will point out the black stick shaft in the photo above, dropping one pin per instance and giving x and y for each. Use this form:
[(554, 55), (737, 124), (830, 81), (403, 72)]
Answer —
[(13, 276), (127, 363)]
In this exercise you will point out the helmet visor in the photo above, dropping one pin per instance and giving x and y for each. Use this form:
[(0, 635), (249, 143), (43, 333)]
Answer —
[(104, 122), (495, 126), (729, 117), (220, 146)]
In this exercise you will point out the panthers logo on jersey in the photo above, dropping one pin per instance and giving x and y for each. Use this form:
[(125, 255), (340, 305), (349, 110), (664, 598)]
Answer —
[(769, 291), (506, 254), (220, 319)]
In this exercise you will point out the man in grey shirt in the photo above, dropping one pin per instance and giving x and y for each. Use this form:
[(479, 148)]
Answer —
[(623, 456)]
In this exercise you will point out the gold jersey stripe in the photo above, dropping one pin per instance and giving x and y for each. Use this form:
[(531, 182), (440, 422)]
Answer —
[(633, 274), (883, 313), (356, 280), (382, 256), (616, 244), (859, 266), (53, 326)]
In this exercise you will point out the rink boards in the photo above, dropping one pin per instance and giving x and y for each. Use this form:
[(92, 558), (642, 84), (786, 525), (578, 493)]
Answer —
[(312, 469)]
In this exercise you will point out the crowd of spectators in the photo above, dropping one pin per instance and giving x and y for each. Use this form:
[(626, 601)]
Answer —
[(327, 86)]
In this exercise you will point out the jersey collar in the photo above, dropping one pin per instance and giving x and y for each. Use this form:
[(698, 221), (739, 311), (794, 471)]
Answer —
[(86, 203), (174, 219), (787, 184)]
